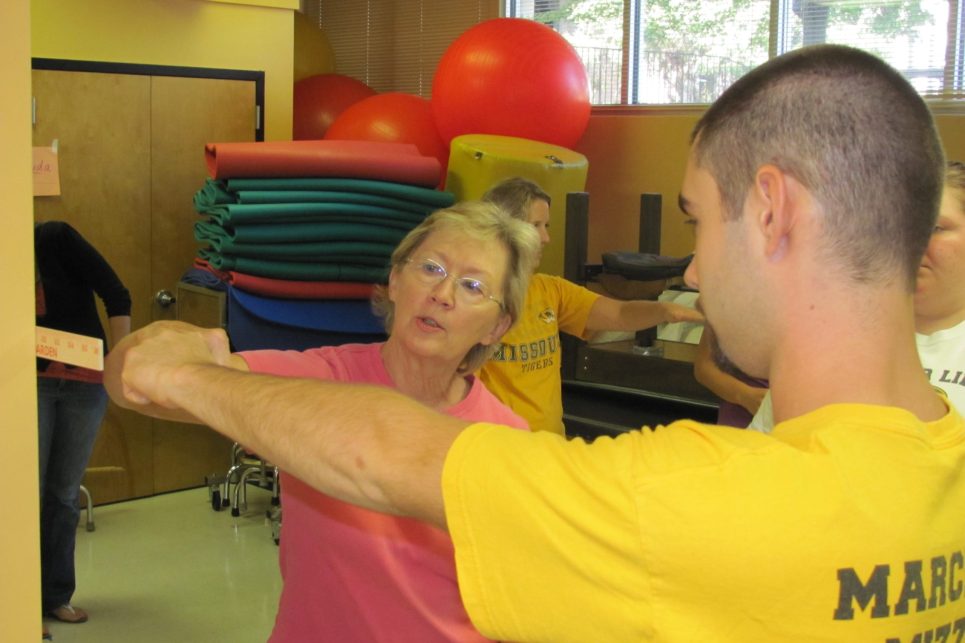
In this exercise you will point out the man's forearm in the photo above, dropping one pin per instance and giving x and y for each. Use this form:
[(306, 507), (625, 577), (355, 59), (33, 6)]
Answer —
[(363, 444), (366, 445)]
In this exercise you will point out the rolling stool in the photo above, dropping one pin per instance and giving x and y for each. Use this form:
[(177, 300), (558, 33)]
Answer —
[(109, 470), (231, 488), (90, 508), (246, 469), (260, 473)]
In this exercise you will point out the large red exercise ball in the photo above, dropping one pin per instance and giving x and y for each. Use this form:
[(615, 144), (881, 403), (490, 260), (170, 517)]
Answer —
[(511, 77), (392, 117), (312, 52), (319, 99)]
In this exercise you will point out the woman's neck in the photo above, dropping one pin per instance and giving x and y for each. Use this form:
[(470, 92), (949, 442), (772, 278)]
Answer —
[(435, 383)]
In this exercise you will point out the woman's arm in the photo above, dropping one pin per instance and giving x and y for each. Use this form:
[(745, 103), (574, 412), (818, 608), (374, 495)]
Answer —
[(633, 315), (723, 384)]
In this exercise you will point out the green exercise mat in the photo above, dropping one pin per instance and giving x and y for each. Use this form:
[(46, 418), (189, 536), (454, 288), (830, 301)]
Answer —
[(280, 196), (213, 193), (240, 213), (434, 198), (258, 233), (295, 270), (315, 196), (377, 254)]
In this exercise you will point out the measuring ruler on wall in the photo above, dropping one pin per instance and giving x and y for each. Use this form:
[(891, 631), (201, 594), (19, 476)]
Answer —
[(70, 348)]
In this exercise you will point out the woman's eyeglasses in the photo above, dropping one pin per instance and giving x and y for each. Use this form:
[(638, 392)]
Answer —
[(469, 291)]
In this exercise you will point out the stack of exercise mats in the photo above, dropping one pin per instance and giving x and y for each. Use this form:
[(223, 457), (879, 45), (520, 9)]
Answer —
[(302, 231)]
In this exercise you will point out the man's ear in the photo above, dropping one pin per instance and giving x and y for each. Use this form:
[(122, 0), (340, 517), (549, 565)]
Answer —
[(775, 211)]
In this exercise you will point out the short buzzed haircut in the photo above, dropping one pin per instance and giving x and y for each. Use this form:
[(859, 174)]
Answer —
[(854, 132), (514, 196)]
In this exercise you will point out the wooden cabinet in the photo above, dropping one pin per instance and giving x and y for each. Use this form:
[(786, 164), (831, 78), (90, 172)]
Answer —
[(131, 157)]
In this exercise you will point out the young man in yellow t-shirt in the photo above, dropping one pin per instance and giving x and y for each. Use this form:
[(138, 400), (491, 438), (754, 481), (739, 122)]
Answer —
[(813, 184)]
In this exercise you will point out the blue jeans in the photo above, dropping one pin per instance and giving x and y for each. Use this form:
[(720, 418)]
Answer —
[(69, 414)]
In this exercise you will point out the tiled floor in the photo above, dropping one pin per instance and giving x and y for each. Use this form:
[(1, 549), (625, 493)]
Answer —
[(170, 569)]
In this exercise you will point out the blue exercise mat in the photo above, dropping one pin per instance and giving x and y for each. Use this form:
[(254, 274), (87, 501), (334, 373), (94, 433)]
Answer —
[(256, 322)]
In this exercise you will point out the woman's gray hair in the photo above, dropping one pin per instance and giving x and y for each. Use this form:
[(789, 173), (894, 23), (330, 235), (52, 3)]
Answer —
[(484, 222)]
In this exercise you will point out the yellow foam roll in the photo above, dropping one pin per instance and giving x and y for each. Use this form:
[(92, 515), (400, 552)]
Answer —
[(479, 161)]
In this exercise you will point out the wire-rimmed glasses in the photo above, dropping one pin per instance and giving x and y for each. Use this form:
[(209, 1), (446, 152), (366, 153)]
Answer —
[(469, 291)]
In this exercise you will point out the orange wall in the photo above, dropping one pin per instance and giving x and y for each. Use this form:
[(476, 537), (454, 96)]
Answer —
[(630, 155), (646, 152)]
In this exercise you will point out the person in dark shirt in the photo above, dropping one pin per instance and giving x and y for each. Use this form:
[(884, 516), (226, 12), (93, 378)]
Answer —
[(71, 400)]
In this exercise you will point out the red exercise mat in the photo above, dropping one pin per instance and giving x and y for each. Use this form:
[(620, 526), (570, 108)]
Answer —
[(394, 162), (204, 265), (288, 289)]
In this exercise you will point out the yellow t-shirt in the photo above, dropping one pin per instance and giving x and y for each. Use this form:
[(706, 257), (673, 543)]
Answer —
[(846, 524), (525, 372)]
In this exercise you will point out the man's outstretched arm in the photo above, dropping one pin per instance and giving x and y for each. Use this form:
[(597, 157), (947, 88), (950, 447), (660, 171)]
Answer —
[(362, 444)]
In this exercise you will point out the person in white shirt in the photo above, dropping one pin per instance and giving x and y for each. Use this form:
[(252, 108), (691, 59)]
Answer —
[(940, 293)]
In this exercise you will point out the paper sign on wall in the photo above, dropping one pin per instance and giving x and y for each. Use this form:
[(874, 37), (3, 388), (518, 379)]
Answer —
[(46, 171), (70, 348)]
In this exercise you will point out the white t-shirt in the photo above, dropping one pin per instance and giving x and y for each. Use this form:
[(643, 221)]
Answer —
[(763, 420), (943, 356)]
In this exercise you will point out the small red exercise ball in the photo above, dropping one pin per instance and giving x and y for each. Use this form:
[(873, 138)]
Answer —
[(392, 117), (319, 99), (511, 77)]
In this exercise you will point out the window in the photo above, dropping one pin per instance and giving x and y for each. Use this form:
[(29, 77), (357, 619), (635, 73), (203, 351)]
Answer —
[(673, 51)]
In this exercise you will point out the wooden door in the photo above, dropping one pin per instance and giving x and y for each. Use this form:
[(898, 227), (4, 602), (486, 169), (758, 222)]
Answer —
[(131, 157), (186, 113)]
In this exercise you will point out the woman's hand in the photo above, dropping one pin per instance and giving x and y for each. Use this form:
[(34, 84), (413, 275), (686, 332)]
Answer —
[(673, 313)]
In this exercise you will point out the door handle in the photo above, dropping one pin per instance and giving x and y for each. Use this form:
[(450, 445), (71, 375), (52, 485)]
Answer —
[(164, 298)]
